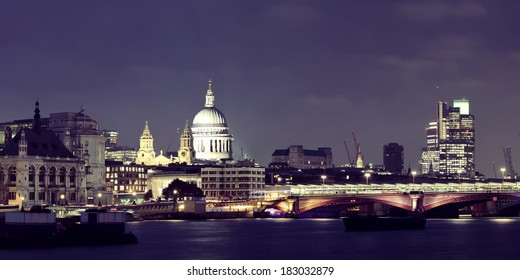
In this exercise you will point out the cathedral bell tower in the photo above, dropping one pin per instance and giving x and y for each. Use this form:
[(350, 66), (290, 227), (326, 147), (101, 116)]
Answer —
[(186, 151), (146, 153)]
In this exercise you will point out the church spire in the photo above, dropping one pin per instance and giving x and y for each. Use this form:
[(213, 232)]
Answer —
[(36, 122), (186, 152), (146, 153), (186, 127), (146, 130), (210, 98)]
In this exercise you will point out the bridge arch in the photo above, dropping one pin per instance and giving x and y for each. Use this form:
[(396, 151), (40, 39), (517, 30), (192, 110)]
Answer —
[(348, 202)]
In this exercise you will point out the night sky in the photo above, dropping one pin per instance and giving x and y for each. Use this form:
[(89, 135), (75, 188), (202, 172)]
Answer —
[(284, 72)]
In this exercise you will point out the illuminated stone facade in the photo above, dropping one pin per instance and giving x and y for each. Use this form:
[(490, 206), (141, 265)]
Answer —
[(38, 169), (186, 152), (211, 138), (146, 153), (81, 135)]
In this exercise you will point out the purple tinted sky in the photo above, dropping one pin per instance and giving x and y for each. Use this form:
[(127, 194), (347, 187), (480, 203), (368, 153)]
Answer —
[(284, 72)]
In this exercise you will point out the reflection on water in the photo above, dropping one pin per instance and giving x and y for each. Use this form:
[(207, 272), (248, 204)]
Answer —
[(467, 238)]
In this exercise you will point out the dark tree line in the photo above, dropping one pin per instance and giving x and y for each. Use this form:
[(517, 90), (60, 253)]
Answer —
[(182, 188)]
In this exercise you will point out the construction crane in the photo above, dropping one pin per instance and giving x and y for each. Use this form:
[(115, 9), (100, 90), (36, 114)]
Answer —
[(359, 155), (348, 154), (509, 163)]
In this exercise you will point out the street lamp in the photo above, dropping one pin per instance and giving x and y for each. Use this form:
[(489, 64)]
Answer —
[(21, 209), (413, 176), (279, 179), (99, 199), (367, 175), (459, 172), (133, 194), (503, 170), (323, 177), (62, 197), (175, 200)]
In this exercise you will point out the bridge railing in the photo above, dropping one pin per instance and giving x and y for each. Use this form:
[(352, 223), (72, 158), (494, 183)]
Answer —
[(337, 189)]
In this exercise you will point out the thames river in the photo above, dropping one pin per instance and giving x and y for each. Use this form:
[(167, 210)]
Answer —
[(297, 239)]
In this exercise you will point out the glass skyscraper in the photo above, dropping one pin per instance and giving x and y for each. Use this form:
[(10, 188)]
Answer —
[(450, 151)]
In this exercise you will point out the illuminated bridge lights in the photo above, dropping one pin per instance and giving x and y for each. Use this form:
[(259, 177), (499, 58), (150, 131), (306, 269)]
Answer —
[(390, 189)]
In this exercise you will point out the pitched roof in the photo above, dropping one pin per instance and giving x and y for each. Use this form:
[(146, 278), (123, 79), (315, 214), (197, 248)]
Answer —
[(40, 142), (281, 152)]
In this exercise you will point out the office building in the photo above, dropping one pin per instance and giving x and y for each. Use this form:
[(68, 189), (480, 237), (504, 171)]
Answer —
[(450, 150), (233, 182), (125, 180), (393, 158), (297, 157)]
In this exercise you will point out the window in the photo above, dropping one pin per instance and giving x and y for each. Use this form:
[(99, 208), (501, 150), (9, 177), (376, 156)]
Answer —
[(31, 175), (12, 175), (62, 175), (72, 177), (52, 175)]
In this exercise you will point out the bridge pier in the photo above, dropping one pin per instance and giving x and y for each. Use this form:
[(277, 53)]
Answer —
[(367, 209), (480, 209), (417, 202), (294, 205)]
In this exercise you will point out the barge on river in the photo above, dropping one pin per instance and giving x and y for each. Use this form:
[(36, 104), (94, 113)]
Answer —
[(40, 228)]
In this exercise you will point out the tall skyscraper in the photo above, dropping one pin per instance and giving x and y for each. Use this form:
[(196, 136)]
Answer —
[(450, 150), (393, 158), (430, 153)]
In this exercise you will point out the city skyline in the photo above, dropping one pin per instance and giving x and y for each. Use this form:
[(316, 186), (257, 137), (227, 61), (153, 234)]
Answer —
[(283, 72)]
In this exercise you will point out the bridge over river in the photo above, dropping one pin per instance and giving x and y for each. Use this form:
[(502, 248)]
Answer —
[(435, 200)]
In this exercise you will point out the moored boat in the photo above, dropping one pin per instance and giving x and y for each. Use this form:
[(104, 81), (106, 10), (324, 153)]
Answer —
[(40, 228)]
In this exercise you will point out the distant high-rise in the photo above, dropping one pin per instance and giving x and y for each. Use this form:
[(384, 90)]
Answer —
[(393, 158), (450, 150), (430, 153), (111, 136)]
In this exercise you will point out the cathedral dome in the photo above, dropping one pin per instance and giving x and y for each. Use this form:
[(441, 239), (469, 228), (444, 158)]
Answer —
[(209, 117), (211, 138)]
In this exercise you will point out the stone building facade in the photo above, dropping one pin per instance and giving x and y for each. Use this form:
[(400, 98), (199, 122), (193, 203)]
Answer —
[(38, 169)]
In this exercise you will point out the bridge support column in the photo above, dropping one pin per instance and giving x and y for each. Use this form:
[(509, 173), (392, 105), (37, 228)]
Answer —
[(367, 209), (294, 205), (417, 201), (480, 209)]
